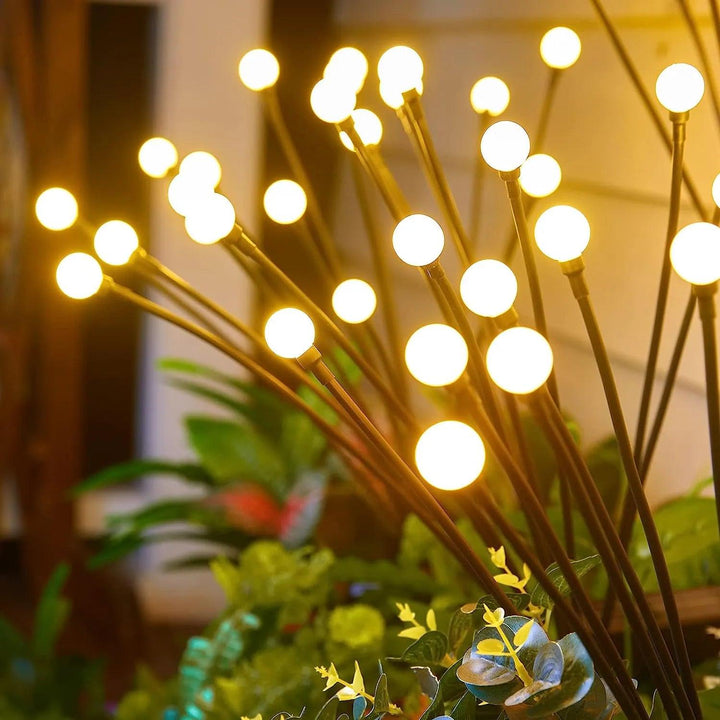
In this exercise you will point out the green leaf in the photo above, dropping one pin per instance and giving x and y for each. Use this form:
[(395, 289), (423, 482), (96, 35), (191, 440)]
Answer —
[(465, 707), (191, 511), (382, 697), (547, 672), (232, 452), (462, 624), (710, 703), (51, 614), (606, 467), (539, 597), (598, 703), (430, 649), (329, 710)]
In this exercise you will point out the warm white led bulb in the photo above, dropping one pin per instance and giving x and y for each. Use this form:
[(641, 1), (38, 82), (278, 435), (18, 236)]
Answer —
[(392, 97), (367, 125), (488, 288), (289, 332), (184, 193), (79, 275), (258, 69), (332, 101), (436, 355), (115, 242), (505, 146), (56, 208), (519, 360), (491, 95), (560, 48), (400, 69), (285, 202), (354, 301), (418, 240), (695, 253), (157, 156), (540, 175), (680, 87), (202, 168), (348, 66), (210, 220), (716, 190), (450, 455), (562, 233)]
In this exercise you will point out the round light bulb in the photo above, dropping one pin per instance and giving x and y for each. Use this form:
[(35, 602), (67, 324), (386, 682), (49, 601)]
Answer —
[(695, 253), (79, 275), (562, 233), (258, 69), (56, 208), (184, 193), (418, 240), (210, 220), (400, 69), (157, 156), (491, 95), (367, 125), (680, 87), (436, 355), (285, 202), (289, 332), (488, 288), (348, 66), (202, 168), (392, 97), (560, 48), (716, 190), (332, 101), (505, 146), (519, 360), (450, 455), (540, 175), (354, 301), (115, 242)]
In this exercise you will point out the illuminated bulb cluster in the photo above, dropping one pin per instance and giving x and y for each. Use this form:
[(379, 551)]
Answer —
[(540, 175), (680, 87), (115, 242), (331, 101), (354, 301), (56, 209), (490, 95), (488, 288), (79, 275), (505, 146), (695, 253), (368, 127), (450, 455), (285, 202), (289, 332), (258, 69), (418, 240), (157, 156), (436, 355), (400, 69), (211, 219), (347, 66), (560, 48), (519, 360), (199, 175), (562, 233)]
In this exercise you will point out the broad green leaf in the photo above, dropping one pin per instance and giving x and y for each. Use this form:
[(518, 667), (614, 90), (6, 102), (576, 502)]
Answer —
[(596, 704), (51, 614), (539, 597), (191, 511), (546, 673), (217, 397), (382, 697), (607, 470), (430, 649), (464, 709)]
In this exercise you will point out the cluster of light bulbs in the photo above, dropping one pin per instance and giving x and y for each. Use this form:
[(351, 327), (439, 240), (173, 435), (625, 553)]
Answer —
[(519, 360)]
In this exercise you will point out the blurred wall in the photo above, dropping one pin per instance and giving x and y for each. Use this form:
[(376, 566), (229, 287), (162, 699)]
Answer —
[(615, 169)]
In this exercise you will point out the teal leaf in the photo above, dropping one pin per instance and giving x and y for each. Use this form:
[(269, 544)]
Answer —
[(597, 704), (430, 649), (426, 679), (539, 596), (358, 708), (547, 673)]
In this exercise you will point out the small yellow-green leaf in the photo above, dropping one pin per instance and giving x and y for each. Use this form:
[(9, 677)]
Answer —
[(346, 693), (523, 633), (405, 614), (430, 620), (414, 633), (245, 717), (507, 579), (358, 684), (493, 618), (331, 674), (497, 557), (491, 646)]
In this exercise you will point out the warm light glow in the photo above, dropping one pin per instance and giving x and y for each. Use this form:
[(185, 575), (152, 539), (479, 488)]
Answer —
[(202, 168), (488, 288), (289, 332), (450, 455), (210, 220), (436, 355), (418, 240), (400, 69), (505, 146), (716, 190), (367, 125), (258, 69), (540, 175), (680, 87), (519, 360), (560, 48), (79, 275), (115, 242), (392, 97), (354, 301), (695, 253), (56, 208), (562, 233), (184, 193), (491, 95), (285, 202), (331, 101), (347, 66), (157, 156)]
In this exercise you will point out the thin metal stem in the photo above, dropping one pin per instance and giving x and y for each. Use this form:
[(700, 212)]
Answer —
[(715, 11), (479, 174)]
